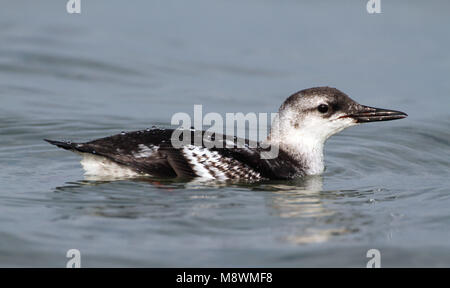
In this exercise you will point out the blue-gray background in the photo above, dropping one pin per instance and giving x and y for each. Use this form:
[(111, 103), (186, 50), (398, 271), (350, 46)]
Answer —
[(126, 65)]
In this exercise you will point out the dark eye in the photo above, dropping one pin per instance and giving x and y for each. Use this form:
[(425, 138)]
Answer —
[(323, 108)]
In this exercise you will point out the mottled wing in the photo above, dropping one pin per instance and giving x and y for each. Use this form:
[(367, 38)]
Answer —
[(151, 152)]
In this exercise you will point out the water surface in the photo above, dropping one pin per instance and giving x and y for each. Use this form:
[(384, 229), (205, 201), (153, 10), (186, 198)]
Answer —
[(122, 66)]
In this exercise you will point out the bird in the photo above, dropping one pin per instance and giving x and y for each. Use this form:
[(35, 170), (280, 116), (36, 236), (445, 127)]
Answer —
[(304, 122)]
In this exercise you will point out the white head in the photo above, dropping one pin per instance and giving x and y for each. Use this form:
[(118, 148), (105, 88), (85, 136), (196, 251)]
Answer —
[(309, 117)]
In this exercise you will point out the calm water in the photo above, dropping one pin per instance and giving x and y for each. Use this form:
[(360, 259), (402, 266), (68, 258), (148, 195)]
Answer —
[(122, 66)]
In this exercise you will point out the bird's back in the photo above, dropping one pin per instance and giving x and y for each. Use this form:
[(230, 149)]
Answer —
[(152, 152)]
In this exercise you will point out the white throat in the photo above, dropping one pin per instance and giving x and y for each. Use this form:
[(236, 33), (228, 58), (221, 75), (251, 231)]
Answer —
[(304, 137), (303, 147)]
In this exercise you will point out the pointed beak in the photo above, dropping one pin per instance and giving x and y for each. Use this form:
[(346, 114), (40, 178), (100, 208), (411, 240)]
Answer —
[(364, 114)]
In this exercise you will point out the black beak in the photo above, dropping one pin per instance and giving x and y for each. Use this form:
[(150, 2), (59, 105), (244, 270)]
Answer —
[(364, 114)]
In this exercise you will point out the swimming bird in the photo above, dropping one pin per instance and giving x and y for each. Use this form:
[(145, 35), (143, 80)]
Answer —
[(304, 122)]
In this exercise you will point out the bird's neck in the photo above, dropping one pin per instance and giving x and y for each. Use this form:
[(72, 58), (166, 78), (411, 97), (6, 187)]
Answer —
[(303, 146)]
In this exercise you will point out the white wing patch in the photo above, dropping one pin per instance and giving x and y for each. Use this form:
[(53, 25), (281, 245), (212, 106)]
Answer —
[(209, 164), (145, 151)]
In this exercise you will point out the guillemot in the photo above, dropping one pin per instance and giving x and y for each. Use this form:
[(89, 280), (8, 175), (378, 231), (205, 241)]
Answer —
[(304, 122)]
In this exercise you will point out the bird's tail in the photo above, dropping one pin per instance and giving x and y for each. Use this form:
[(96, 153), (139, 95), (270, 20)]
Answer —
[(75, 147), (67, 145)]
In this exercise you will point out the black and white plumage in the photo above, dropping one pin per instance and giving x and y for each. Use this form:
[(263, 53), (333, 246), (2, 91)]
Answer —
[(305, 121), (150, 152)]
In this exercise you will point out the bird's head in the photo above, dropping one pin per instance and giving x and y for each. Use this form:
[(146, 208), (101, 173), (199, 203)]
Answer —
[(309, 117)]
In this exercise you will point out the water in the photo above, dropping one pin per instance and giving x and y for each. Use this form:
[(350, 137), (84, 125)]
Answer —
[(122, 66)]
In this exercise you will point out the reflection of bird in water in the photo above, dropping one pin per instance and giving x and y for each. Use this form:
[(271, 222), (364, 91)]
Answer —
[(302, 201)]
